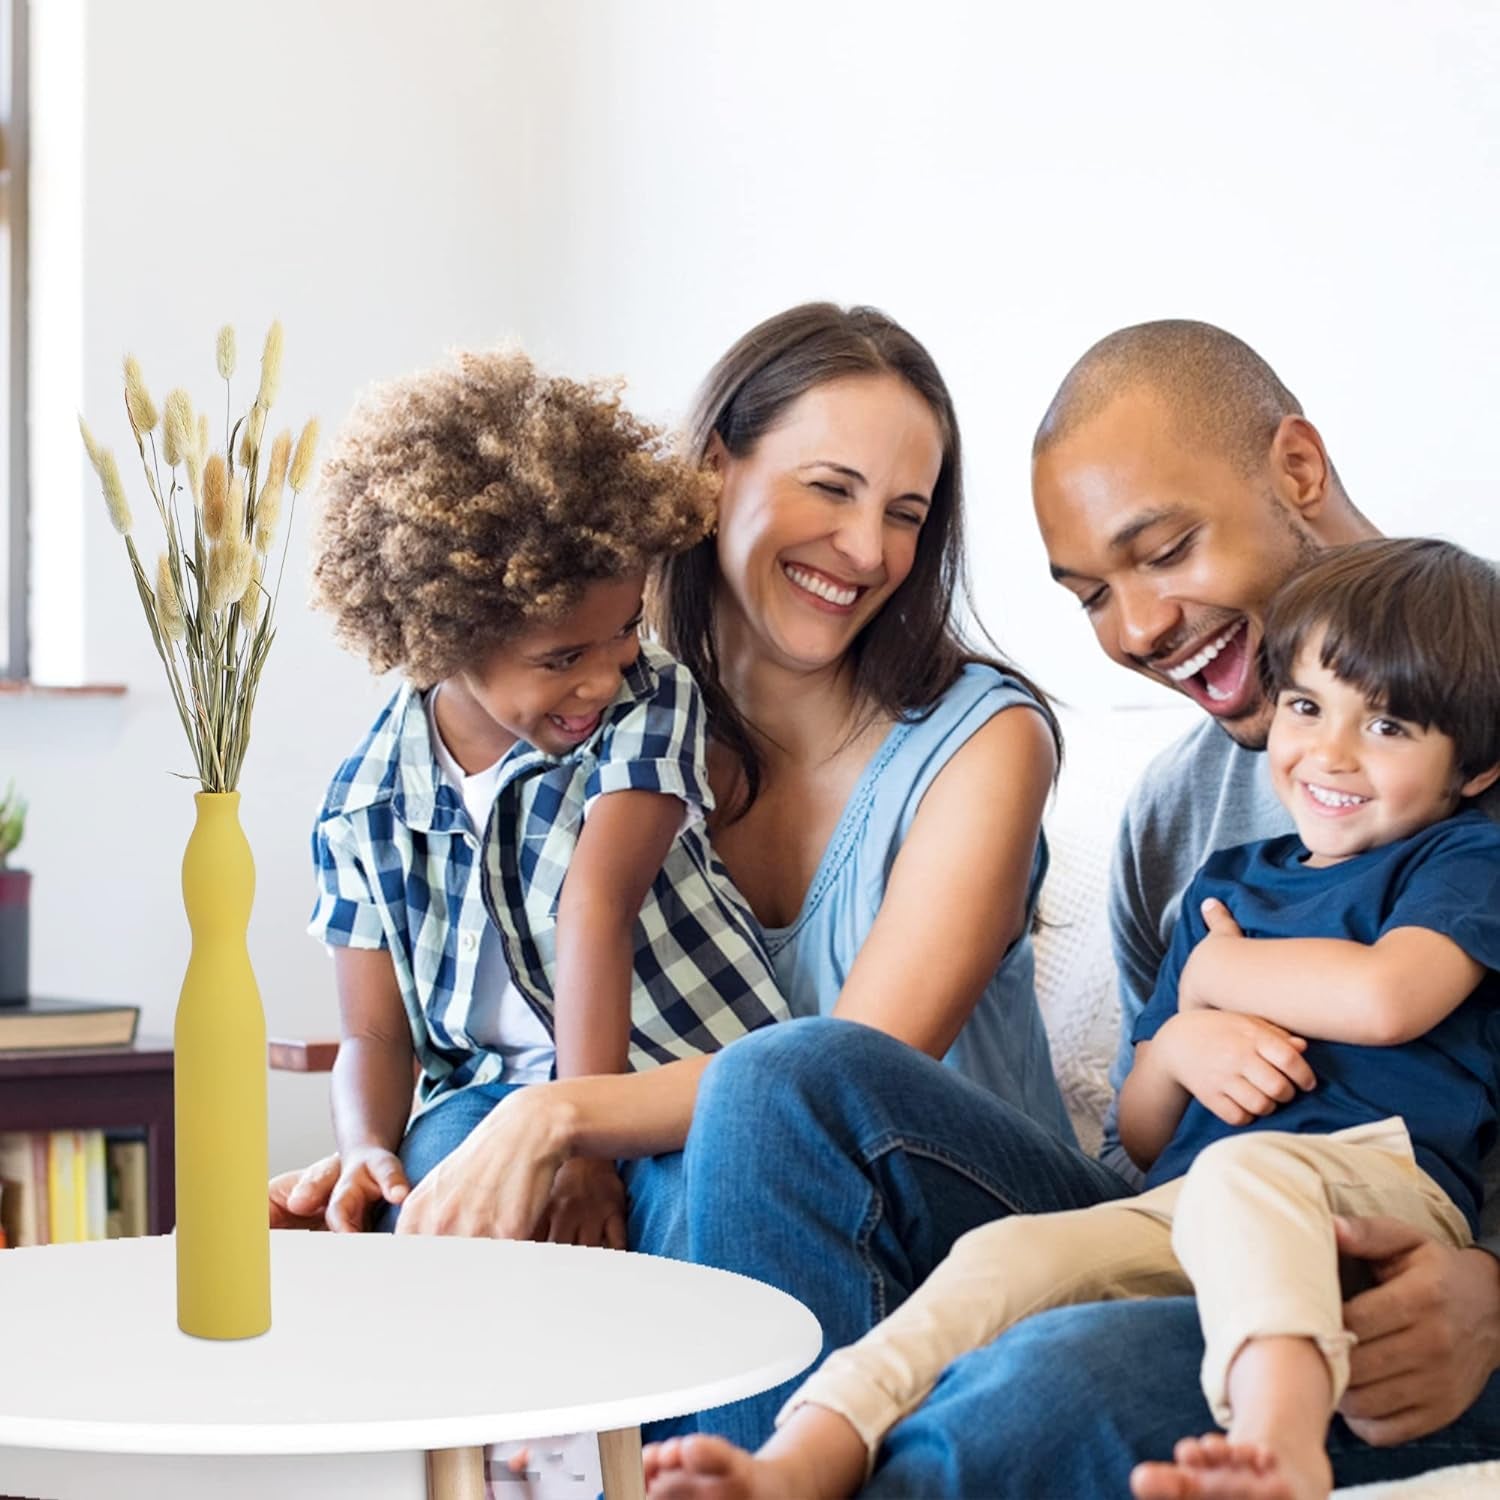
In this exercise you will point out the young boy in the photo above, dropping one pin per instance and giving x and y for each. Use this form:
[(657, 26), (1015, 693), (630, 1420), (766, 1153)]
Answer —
[(515, 877), (1315, 983)]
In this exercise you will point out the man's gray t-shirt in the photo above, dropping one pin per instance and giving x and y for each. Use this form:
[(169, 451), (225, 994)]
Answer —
[(1202, 793)]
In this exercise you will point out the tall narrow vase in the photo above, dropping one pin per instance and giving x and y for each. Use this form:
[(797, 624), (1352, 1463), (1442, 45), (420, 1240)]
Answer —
[(223, 1234)]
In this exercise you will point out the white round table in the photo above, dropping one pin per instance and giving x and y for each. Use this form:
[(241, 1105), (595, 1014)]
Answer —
[(390, 1362)]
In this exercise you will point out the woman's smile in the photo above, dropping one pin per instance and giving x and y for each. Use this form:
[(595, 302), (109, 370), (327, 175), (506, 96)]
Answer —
[(821, 590)]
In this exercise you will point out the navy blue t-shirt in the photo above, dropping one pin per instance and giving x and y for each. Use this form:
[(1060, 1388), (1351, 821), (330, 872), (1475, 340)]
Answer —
[(1446, 1083)]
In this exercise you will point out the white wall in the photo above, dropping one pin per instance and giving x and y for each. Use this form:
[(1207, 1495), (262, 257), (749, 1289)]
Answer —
[(629, 187)]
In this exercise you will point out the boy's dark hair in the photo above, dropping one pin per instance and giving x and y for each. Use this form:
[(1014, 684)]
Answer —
[(466, 504), (1414, 623)]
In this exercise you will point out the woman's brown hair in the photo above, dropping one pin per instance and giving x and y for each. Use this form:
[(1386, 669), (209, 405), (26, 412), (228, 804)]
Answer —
[(908, 656)]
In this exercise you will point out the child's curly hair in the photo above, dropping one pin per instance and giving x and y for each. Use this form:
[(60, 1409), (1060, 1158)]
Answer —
[(464, 504)]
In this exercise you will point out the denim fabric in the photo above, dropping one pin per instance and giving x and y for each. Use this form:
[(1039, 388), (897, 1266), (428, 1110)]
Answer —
[(830, 1160), (869, 1161), (1068, 1402)]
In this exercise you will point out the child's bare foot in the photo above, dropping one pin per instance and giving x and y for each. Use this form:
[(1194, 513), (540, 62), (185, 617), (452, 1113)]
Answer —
[(1214, 1468), (700, 1467)]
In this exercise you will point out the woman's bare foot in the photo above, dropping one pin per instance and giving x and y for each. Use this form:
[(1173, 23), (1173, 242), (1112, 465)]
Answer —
[(1215, 1468), (697, 1467)]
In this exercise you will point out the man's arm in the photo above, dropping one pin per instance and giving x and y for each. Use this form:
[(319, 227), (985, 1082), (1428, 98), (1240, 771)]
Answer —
[(1371, 994)]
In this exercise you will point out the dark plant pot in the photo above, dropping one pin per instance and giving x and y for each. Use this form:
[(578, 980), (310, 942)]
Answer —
[(15, 936)]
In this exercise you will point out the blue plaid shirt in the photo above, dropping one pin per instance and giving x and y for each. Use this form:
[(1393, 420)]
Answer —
[(401, 867)]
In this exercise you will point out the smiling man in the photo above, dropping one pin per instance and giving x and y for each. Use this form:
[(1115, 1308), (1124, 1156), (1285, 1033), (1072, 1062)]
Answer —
[(1177, 484)]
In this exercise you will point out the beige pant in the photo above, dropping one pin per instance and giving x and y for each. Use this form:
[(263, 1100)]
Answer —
[(1249, 1229)]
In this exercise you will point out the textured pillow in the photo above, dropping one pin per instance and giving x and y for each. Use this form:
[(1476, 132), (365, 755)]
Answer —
[(1105, 755)]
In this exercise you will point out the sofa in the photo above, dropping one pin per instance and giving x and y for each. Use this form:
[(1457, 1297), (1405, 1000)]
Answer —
[(1105, 752)]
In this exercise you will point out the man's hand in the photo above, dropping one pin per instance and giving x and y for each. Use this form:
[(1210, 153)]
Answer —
[(587, 1206), (299, 1199), (1195, 985), (1429, 1332), (1239, 1067)]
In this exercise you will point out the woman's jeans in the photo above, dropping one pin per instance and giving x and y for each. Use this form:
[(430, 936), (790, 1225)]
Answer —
[(840, 1165), (832, 1161)]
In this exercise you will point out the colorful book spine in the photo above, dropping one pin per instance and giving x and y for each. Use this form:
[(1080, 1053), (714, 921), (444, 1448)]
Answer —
[(66, 1229)]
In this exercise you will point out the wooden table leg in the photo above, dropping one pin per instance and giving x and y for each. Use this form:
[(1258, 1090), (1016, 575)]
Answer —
[(458, 1473), (620, 1464)]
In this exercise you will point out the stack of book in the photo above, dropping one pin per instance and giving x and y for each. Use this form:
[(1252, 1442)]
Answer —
[(38, 1024), (61, 1186)]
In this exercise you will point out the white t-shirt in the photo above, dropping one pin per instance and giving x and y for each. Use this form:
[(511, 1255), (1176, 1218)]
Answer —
[(501, 1019)]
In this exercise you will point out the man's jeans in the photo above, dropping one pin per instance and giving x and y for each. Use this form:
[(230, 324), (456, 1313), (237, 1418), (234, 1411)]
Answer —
[(832, 1161)]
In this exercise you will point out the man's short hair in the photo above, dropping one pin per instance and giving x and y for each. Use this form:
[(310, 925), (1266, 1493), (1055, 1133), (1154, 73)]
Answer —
[(1221, 393), (1413, 623)]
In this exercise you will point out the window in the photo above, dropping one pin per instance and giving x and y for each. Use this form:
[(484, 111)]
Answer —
[(14, 529)]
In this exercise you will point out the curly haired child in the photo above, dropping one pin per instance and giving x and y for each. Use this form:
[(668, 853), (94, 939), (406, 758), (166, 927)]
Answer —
[(1315, 985), (514, 874)]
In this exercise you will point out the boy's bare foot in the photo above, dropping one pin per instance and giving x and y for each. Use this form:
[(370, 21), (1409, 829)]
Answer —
[(700, 1467), (1215, 1468)]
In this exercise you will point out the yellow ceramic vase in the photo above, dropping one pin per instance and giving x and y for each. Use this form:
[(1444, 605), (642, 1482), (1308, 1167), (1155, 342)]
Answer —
[(223, 1233)]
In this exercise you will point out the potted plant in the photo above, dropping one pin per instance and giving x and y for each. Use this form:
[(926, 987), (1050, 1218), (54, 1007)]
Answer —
[(15, 903)]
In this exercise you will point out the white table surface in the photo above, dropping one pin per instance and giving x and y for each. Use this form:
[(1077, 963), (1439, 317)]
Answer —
[(379, 1343)]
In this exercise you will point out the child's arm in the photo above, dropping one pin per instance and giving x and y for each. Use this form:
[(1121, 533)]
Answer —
[(620, 852), (1152, 1103), (371, 1085), (624, 840), (1373, 994), (1239, 1067)]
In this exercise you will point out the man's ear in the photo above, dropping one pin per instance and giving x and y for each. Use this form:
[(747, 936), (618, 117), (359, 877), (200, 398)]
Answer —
[(1480, 783), (1300, 471)]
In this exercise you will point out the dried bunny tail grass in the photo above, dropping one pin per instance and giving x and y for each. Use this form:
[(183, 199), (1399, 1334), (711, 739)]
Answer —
[(90, 444), (281, 453), (254, 595), (203, 440), (139, 406), (224, 352), (302, 459), (267, 514), (215, 496), (114, 492), (192, 459), (178, 428), (168, 605), (270, 367), (229, 565), (234, 509), (251, 430)]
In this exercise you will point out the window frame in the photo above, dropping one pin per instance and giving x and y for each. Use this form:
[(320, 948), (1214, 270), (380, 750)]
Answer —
[(15, 142)]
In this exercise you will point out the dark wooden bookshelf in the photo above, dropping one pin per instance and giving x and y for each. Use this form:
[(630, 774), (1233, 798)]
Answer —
[(101, 1088)]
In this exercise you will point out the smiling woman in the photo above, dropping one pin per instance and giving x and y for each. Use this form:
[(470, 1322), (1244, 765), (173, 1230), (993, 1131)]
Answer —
[(878, 787)]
